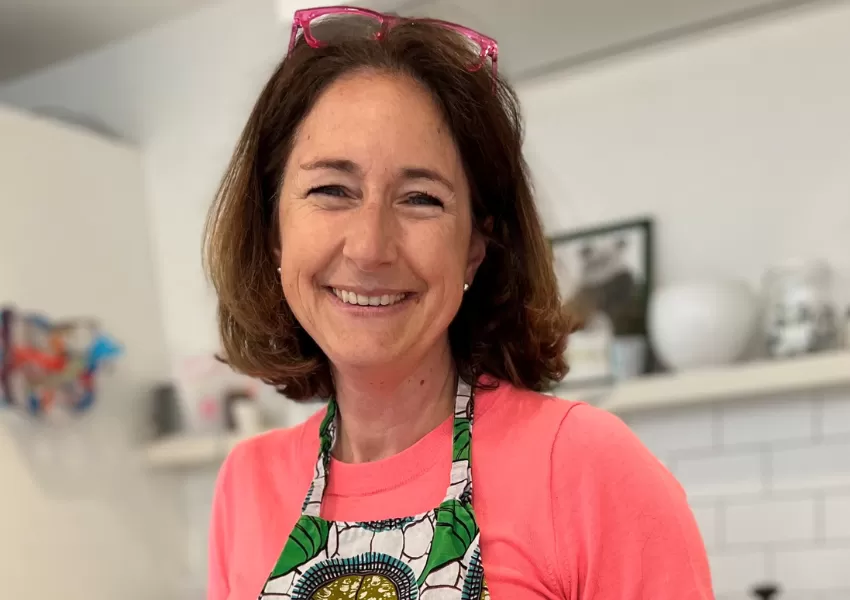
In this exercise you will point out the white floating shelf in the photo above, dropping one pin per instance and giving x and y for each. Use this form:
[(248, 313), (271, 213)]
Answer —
[(189, 451), (699, 386)]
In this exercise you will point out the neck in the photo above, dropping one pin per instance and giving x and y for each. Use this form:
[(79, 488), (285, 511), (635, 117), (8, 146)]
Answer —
[(382, 414)]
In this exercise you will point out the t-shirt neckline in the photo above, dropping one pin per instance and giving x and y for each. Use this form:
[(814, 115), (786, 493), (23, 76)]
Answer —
[(364, 479)]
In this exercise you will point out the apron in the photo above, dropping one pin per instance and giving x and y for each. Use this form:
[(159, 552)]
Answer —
[(430, 556)]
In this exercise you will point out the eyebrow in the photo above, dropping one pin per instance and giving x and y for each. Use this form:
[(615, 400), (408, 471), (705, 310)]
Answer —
[(334, 164), (348, 166), (429, 174)]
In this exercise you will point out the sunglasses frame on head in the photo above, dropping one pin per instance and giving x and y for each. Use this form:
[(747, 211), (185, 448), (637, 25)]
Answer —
[(302, 19)]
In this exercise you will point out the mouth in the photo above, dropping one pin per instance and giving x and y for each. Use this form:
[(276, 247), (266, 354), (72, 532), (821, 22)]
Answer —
[(369, 300)]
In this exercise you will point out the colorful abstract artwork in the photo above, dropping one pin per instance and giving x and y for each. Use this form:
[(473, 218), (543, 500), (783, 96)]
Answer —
[(47, 366)]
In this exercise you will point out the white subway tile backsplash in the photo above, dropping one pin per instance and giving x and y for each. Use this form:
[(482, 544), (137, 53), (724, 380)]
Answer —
[(814, 568), (669, 431), (769, 521), (786, 594), (836, 413), (706, 518), (822, 595), (720, 474), (836, 520), (821, 465), (736, 573), (764, 421), (830, 595)]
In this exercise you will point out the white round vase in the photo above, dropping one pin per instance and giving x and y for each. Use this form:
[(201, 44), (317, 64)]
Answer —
[(702, 323)]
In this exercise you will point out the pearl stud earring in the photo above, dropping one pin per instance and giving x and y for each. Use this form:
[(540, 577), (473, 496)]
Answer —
[(465, 286)]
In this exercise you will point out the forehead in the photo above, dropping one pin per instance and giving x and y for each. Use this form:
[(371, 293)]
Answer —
[(373, 118)]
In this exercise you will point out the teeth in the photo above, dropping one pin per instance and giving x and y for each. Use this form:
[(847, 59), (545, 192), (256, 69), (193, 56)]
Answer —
[(361, 300)]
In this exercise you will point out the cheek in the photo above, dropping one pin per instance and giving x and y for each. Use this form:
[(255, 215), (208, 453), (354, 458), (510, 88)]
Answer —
[(439, 253), (300, 246)]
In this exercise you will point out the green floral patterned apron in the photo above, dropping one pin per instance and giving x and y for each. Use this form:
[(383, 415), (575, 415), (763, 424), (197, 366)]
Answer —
[(431, 556)]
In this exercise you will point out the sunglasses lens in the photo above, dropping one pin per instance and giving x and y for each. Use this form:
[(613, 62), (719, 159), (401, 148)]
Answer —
[(336, 28), (467, 49)]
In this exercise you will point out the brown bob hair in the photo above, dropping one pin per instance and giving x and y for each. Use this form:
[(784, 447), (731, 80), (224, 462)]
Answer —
[(511, 324)]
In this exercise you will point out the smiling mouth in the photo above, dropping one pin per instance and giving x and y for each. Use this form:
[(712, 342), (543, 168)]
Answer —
[(363, 300)]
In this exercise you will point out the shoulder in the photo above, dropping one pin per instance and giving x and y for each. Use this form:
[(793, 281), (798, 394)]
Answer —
[(520, 409), (595, 451), (571, 437), (533, 422), (599, 437)]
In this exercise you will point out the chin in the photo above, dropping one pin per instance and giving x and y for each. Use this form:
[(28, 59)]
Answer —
[(359, 347), (370, 359)]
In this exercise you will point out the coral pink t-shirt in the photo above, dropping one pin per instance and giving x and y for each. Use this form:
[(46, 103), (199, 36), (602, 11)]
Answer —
[(570, 504)]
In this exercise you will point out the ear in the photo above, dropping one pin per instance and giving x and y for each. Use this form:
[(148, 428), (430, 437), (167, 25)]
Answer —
[(273, 239), (275, 252), (477, 251), (273, 243)]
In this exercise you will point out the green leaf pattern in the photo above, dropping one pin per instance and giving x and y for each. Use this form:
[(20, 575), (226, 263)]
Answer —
[(462, 439), (453, 535), (308, 539)]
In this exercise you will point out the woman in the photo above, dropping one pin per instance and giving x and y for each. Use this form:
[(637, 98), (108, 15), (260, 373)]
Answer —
[(375, 242)]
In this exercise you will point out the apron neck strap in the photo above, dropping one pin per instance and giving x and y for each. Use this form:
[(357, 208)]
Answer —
[(460, 484)]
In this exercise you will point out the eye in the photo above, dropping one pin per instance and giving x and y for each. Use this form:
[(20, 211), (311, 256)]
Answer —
[(423, 199), (336, 191)]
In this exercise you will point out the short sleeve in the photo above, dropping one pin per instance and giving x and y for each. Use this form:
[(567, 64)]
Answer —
[(623, 527)]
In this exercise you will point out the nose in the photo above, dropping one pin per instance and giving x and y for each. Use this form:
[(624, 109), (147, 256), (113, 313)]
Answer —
[(370, 241)]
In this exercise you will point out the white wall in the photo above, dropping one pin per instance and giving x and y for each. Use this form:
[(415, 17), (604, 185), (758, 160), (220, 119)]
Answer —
[(79, 518), (738, 143), (183, 91)]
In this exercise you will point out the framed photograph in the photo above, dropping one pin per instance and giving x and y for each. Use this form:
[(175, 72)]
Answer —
[(605, 276)]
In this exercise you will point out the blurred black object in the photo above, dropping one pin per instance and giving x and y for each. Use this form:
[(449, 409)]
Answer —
[(765, 591), (166, 416), (230, 398)]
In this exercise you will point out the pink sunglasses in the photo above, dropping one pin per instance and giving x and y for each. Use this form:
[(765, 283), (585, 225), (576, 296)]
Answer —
[(381, 23)]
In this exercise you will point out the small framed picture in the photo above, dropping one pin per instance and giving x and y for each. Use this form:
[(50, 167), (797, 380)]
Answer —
[(605, 276)]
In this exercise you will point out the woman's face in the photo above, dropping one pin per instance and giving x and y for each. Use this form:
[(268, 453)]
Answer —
[(375, 223)]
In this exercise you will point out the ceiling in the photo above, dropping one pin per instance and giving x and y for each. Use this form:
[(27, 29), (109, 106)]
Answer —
[(36, 33), (534, 35)]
